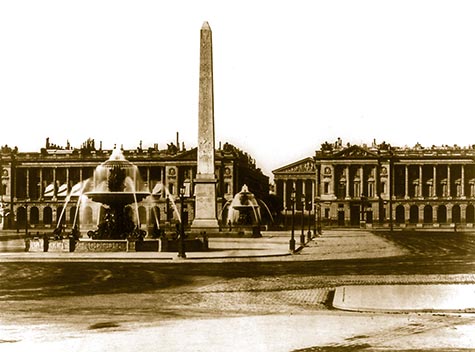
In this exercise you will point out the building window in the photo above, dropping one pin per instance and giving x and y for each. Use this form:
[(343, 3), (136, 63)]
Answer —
[(444, 190), (357, 190), (384, 187), (459, 190), (326, 188), (371, 190), (327, 213)]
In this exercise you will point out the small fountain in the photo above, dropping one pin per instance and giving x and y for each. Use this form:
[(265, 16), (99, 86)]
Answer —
[(244, 213)]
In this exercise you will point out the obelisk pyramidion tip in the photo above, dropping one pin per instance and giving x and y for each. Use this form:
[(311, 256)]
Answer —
[(206, 26)]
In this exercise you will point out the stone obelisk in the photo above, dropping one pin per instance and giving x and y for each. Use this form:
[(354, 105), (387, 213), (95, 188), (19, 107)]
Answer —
[(205, 182)]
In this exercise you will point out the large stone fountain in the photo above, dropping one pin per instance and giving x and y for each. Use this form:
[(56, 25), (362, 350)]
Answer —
[(117, 187)]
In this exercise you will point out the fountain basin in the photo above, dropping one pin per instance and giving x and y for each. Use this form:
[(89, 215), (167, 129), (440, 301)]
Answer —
[(116, 197)]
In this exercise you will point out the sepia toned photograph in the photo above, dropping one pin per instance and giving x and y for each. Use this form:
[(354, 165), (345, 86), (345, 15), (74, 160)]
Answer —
[(266, 176)]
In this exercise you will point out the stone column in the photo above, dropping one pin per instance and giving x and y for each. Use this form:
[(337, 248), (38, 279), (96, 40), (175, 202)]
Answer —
[(317, 180), (41, 183), (448, 181), (406, 182), (361, 182), (434, 182), (435, 209), (55, 189), (462, 181), (333, 181), (449, 213), (321, 185), (205, 182), (463, 213), (420, 220), (407, 213), (347, 177), (27, 183), (420, 181), (67, 179), (284, 191)]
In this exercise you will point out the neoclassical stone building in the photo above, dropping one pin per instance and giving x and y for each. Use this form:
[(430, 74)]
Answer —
[(35, 185), (380, 185)]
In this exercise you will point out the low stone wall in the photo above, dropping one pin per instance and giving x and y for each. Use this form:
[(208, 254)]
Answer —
[(87, 245), (59, 245), (37, 244)]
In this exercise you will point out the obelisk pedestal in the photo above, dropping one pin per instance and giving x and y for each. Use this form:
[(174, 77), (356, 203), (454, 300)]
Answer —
[(205, 182)]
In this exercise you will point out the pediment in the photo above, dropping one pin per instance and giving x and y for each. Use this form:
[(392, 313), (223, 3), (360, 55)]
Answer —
[(355, 152), (306, 166)]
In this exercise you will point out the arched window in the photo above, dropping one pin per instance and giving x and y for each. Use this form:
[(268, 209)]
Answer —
[(47, 216), (400, 214), (21, 216), (470, 214), (442, 214), (414, 214), (456, 216), (34, 216), (427, 214)]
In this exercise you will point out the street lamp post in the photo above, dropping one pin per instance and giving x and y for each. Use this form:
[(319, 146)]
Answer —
[(167, 209), (314, 219), (319, 218), (292, 238), (302, 233), (391, 188), (309, 232), (363, 210), (181, 247)]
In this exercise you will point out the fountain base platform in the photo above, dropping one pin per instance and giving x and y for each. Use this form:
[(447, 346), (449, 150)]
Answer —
[(85, 245), (233, 232)]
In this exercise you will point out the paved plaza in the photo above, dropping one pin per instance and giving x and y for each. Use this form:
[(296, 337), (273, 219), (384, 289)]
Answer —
[(242, 295), (341, 244)]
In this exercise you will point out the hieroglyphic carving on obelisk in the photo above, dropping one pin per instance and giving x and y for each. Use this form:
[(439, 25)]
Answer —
[(205, 182)]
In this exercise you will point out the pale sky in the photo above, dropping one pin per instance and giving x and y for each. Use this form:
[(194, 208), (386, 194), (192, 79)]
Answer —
[(288, 75)]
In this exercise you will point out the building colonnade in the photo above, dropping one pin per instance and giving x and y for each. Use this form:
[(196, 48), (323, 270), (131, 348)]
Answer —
[(422, 193)]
